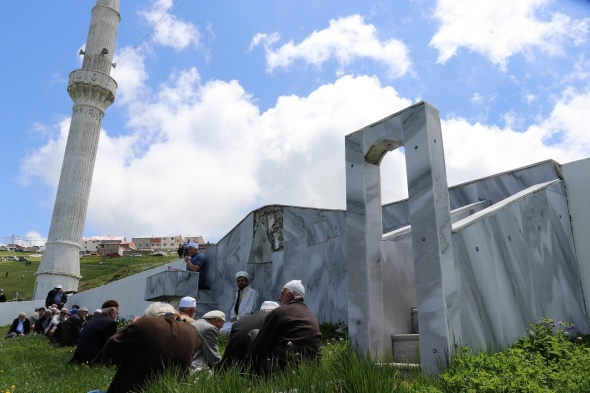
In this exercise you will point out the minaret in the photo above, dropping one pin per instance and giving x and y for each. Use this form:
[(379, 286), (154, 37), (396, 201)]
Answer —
[(92, 90)]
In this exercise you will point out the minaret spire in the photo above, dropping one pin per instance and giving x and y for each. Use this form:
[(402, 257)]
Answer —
[(93, 90)]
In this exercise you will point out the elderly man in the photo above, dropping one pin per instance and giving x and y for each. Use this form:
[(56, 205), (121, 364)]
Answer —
[(72, 327), (246, 299), (195, 262), (21, 326), (144, 348), (239, 340), (289, 333), (56, 320), (208, 327), (186, 308), (95, 334), (43, 322), (56, 296)]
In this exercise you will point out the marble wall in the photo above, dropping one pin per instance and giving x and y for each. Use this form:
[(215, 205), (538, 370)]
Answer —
[(516, 264), (576, 176), (492, 189), (276, 244)]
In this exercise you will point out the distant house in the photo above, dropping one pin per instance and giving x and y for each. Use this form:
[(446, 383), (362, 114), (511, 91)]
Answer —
[(158, 243), (97, 243)]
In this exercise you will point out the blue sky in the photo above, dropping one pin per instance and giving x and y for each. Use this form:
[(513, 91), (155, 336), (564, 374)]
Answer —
[(224, 107)]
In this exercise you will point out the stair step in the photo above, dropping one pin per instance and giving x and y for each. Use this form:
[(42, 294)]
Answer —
[(400, 366), (405, 348)]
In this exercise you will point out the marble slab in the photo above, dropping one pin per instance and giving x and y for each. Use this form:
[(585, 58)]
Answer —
[(517, 265), (172, 283)]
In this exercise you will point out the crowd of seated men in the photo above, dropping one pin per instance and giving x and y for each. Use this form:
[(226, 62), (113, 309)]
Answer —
[(262, 341)]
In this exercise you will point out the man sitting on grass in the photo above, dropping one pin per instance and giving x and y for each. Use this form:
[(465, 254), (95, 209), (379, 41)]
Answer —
[(149, 345), (208, 327), (289, 333), (21, 326), (95, 334)]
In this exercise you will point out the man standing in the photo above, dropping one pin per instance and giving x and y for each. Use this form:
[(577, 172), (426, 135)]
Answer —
[(246, 299), (239, 340), (96, 333), (145, 347), (186, 308), (56, 296), (2, 296), (208, 327), (289, 333), (195, 262)]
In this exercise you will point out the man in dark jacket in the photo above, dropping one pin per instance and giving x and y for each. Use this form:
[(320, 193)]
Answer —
[(147, 346), (21, 326), (239, 339), (96, 333), (289, 333), (56, 296), (72, 327), (43, 322)]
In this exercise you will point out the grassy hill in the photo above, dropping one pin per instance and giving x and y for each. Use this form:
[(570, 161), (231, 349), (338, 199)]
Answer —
[(20, 277)]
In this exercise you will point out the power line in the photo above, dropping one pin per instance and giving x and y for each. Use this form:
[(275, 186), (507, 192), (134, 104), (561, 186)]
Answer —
[(162, 19)]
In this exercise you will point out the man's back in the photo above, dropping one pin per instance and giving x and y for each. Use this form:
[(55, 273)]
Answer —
[(93, 338), (70, 331), (146, 347), (208, 354), (290, 330), (237, 348)]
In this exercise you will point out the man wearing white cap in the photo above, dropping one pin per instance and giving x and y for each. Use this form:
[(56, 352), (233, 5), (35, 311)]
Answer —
[(186, 308), (56, 296), (289, 333), (195, 262), (239, 340), (208, 327), (246, 299)]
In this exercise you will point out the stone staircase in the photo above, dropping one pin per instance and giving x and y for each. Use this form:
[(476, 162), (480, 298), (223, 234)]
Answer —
[(206, 301), (406, 347)]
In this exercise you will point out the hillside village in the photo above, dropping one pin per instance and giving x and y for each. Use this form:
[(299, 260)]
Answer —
[(117, 246)]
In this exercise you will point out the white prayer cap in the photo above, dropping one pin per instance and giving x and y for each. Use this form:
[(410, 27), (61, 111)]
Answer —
[(268, 305), (188, 302), (98, 310), (58, 286), (243, 274), (295, 286), (191, 244), (215, 314)]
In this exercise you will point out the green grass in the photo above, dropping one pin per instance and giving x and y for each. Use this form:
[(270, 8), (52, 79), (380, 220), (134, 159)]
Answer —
[(546, 362), (93, 273)]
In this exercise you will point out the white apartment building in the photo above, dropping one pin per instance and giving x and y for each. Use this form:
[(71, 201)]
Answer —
[(158, 243), (95, 243)]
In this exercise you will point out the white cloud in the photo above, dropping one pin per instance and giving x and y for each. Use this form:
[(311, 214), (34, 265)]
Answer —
[(476, 98), (476, 150), (502, 28), (346, 41), (168, 29)]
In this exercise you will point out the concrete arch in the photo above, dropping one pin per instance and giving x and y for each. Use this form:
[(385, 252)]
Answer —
[(418, 129)]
